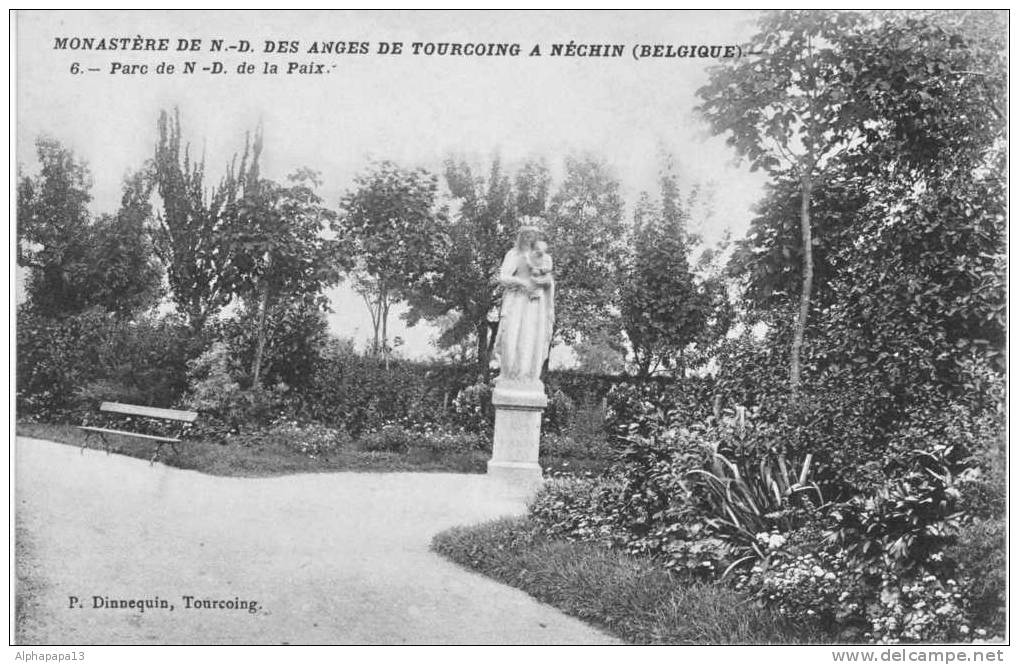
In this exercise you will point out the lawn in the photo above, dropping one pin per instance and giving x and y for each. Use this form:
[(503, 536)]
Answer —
[(630, 597), (270, 459)]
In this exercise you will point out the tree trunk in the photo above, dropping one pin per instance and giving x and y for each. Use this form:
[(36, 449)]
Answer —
[(263, 306), (385, 326), (806, 188)]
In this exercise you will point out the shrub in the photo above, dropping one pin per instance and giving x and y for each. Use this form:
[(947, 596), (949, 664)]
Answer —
[(66, 366), (389, 439), (310, 439), (361, 394), (886, 404), (473, 407), (141, 362), (295, 337), (398, 438), (642, 505), (916, 609), (588, 424), (741, 501), (225, 408), (809, 582), (438, 440), (907, 523), (686, 401), (630, 596), (568, 446), (980, 559), (572, 509), (559, 413)]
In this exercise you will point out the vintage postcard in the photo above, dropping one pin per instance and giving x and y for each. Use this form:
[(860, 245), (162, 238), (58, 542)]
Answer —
[(511, 328)]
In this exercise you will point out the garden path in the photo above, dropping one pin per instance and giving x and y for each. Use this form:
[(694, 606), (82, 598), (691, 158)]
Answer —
[(339, 558)]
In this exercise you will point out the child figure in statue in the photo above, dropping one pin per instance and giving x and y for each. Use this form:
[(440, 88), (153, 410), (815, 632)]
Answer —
[(540, 263)]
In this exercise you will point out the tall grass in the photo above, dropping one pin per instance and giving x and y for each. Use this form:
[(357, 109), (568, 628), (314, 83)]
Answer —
[(633, 598)]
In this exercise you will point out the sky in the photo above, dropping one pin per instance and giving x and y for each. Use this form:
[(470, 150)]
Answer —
[(413, 109)]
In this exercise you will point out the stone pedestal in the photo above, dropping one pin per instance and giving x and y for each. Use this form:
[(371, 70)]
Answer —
[(518, 408)]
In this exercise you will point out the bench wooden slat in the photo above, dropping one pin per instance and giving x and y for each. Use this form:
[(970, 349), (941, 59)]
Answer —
[(118, 431), (148, 411)]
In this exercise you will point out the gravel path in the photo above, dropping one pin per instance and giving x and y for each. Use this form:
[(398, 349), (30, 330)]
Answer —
[(337, 558)]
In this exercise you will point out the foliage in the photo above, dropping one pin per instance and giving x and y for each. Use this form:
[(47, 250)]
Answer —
[(905, 523), (766, 257), (472, 407), (647, 407), (53, 224), (887, 407), (66, 366), (310, 439), (895, 138), (585, 231), (663, 308), (786, 111), (979, 555), (197, 230), (478, 234), (575, 445), (295, 336), (559, 412), (282, 254), (600, 352), (225, 408), (75, 262), (572, 509), (140, 362), (808, 582), (917, 610), (55, 357), (401, 439), (629, 596), (644, 505), (741, 501), (361, 393), (391, 221)]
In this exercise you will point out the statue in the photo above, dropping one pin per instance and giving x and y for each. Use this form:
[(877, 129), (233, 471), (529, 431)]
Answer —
[(528, 310), (521, 348)]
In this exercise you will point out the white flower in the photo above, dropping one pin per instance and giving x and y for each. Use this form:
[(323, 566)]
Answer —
[(964, 630)]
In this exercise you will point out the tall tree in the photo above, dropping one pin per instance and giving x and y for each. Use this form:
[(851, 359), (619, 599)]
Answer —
[(910, 304), (531, 188), (931, 232), (392, 222), (76, 262), (128, 276), (282, 252), (196, 231), (601, 352), (785, 108), (663, 308), (585, 231), (478, 233)]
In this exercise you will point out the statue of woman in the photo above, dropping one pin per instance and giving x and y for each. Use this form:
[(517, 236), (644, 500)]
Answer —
[(525, 321)]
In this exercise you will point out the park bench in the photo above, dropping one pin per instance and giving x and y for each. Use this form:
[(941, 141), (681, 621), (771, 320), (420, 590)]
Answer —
[(144, 411)]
